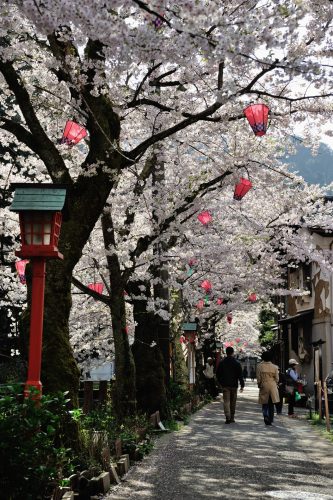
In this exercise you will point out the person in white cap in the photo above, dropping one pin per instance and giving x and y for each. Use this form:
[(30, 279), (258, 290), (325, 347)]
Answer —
[(292, 379)]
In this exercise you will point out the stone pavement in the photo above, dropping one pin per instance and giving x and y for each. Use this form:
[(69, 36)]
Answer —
[(208, 459)]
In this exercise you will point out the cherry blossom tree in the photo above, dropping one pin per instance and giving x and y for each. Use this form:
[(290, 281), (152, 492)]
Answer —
[(136, 74)]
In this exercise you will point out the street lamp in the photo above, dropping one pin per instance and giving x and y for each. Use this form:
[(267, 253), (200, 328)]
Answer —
[(39, 207)]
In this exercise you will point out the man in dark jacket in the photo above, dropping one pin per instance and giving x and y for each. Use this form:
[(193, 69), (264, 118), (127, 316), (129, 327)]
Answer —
[(229, 372)]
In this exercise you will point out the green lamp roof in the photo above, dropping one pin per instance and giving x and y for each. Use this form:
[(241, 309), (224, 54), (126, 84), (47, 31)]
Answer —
[(189, 327), (38, 197)]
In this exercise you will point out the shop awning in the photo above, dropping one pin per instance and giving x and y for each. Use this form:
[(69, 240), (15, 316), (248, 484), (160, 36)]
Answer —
[(298, 318)]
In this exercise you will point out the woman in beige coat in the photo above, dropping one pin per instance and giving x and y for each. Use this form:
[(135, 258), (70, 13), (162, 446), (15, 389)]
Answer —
[(267, 379)]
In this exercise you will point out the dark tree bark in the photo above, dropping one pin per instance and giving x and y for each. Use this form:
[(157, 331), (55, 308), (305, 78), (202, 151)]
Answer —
[(124, 398), (150, 373)]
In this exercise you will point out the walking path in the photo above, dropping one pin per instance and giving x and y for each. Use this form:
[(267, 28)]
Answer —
[(208, 459)]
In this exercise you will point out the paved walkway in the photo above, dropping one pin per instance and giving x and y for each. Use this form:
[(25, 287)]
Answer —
[(208, 459)]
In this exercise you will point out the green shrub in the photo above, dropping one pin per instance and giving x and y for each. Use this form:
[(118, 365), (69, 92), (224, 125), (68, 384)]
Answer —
[(31, 452)]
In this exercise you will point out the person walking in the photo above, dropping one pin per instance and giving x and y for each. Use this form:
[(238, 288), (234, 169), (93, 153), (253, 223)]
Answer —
[(228, 373), (267, 379), (291, 381), (209, 375), (244, 373), (282, 391), (252, 374)]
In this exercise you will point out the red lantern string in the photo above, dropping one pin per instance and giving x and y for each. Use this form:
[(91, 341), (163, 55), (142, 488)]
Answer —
[(20, 268), (219, 301), (205, 217), (97, 287), (257, 116), (73, 133), (242, 188)]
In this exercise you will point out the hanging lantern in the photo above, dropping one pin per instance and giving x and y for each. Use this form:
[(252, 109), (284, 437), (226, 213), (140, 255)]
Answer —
[(242, 188), (257, 116), (97, 287), (20, 268), (205, 217), (200, 304), (189, 332), (227, 344), (229, 318), (206, 299), (252, 297), (73, 133), (207, 286), (219, 301), (245, 344), (237, 340)]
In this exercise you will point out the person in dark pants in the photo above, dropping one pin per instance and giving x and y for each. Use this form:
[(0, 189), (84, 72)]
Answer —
[(282, 391), (209, 375), (252, 374), (228, 373), (244, 373), (291, 380), (267, 379)]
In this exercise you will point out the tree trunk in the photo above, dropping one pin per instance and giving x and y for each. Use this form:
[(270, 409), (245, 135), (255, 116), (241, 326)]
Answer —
[(59, 369), (150, 374), (124, 391)]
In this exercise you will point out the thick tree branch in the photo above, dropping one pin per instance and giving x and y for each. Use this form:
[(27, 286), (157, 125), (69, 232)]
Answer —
[(97, 296), (38, 140)]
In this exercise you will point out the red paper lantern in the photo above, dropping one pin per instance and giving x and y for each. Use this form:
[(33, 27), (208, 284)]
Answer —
[(227, 344), (192, 262), (219, 301), (245, 344), (20, 268), (257, 116), (207, 286), (242, 188), (97, 287), (237, 340), (252, 297), (205, 217), (73, 133), (229, 318), (201, 304)]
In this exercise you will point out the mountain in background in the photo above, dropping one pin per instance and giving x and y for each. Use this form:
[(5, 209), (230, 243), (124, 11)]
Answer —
[(316, 169)]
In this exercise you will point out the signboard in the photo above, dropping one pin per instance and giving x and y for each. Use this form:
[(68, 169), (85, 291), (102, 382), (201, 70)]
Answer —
[(189, 327), (104, 372)]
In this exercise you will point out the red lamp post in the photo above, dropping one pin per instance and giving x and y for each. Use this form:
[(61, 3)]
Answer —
[(39, 207), (257, 116)]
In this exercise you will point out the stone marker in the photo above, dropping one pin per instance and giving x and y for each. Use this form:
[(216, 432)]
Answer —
[(126, 457), (104, 482), (122, 466), (118, 448), (114, 478), (69, 495), (152, 420)]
